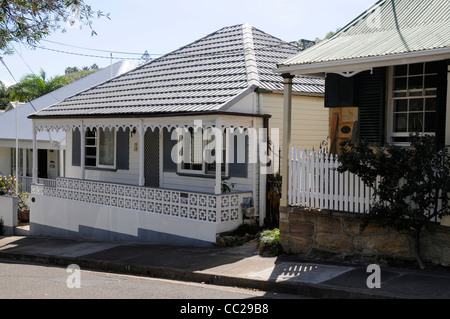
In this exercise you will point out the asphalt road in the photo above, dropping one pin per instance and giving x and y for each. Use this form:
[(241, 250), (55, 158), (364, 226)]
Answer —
[(35, 281)]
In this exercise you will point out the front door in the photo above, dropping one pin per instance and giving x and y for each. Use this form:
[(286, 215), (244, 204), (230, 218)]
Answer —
[(151, 154)]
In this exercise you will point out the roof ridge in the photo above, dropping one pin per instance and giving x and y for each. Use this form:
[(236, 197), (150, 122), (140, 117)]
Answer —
[(251, 67)]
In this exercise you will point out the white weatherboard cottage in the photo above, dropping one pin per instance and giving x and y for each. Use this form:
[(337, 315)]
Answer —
[(124, 177)]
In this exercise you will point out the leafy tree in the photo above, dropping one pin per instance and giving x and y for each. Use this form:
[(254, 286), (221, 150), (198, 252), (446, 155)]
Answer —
[(5, 94), (70, 69), (33, 86), (414, 186), (29, 21)]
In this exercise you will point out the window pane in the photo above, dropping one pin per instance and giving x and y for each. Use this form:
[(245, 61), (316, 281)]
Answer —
[(400, 122), (400, 84), (400, 70), (415, 122), (415, 82), (415, 69), (431, 81), (415, 105), (430, 104), (91, 162), (400, 105), (431, 67), (430, 122), (193, 150), (106, 147)]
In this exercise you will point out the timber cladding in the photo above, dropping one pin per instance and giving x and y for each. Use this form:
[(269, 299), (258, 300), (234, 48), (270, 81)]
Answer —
[(324, 233)]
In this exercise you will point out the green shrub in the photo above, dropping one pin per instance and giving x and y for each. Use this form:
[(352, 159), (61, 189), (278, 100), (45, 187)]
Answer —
[(269, 242)]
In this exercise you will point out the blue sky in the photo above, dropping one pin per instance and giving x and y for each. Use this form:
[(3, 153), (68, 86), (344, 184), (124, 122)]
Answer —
[(163, 26)]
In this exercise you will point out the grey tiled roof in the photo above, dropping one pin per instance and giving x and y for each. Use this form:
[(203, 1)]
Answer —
[(201, 76)]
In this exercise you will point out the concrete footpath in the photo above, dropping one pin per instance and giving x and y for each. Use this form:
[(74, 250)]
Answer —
[(236, 266)]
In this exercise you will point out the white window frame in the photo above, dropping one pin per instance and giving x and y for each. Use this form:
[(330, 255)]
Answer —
[(391, 135), (97, 147), (203, 170)]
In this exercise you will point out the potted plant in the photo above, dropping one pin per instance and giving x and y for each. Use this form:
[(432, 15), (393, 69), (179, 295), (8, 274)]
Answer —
[(23, 209)]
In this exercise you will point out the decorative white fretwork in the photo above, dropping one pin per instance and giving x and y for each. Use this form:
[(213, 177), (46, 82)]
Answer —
[(197, 206)]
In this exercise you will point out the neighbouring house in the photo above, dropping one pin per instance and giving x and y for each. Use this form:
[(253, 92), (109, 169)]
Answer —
[(141, 148), (51, 145), (386, 76)]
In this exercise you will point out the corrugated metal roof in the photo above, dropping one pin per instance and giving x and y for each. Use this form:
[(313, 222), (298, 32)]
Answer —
[(202, 76), (389, 27)]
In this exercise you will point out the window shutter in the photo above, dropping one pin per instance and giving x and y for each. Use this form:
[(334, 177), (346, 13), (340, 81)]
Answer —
[(76, 147), (339, 91), (123, 149), (236, 169), (371, 100), (168, 144)]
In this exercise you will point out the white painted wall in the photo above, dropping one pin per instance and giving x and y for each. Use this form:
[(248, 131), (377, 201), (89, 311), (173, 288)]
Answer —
[(5, 161), (8, 213), (60, 217)]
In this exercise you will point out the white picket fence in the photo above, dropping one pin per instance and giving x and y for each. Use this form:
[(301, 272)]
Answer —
[(314, 182)]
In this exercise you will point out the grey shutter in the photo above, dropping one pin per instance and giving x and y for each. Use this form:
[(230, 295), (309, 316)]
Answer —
[(168, 144), (76, 147), (123, 149), (339, 91), (371, 100), (236, 169)]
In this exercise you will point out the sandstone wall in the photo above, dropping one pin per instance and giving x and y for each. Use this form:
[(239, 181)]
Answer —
[(318, 232)]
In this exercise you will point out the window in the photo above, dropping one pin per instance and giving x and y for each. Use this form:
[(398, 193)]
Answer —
[(100, 148), (198, 152), (413, 100)]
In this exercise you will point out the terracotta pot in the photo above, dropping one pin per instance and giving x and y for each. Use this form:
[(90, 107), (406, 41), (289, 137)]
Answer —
[(24, 216)]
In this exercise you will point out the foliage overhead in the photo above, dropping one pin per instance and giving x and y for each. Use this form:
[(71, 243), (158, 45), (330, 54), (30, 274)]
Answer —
[(29, 21)]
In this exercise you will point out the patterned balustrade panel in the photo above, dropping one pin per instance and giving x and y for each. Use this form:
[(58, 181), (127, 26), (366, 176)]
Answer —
[(197, 206)]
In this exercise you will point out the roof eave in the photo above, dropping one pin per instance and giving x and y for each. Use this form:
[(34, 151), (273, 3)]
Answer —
[(356, 65)]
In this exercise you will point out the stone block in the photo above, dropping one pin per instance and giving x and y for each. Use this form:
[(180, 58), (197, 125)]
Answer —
[(350, 225), (301, 229), (374, 228), (283, 226), (338, 242), (302, 217), (329, 224), (386, 244), (294, 244)]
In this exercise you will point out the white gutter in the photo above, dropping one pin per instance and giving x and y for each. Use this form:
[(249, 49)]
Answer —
[(363, 64)]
